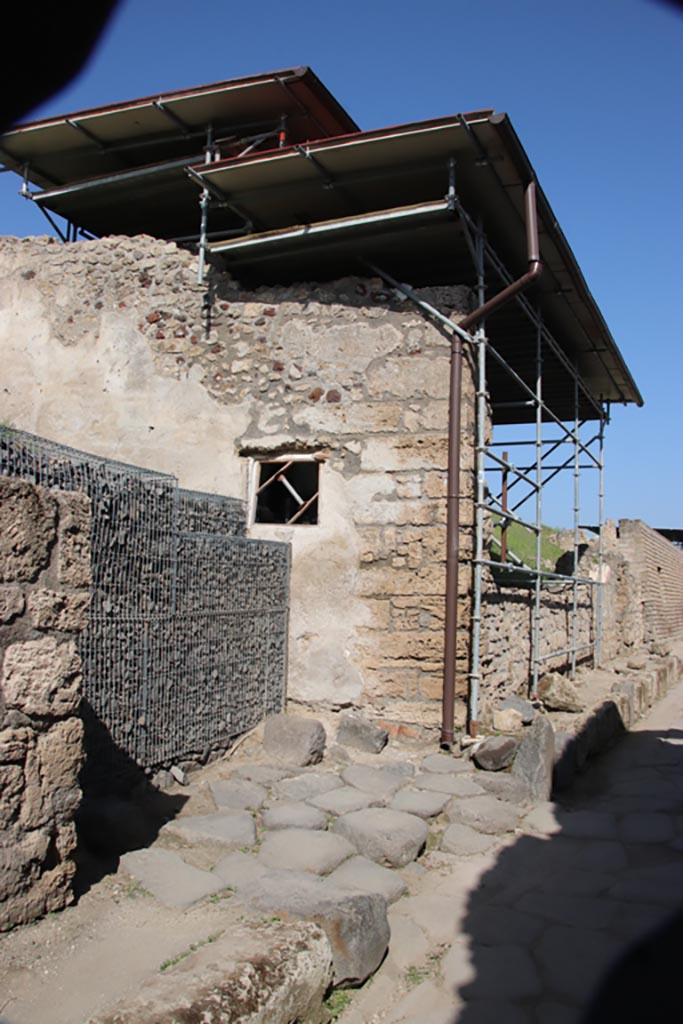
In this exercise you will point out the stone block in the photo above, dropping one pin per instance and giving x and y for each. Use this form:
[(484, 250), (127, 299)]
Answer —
[(507, 720), (355, 922), (534, 760), (28, 516), (367, 876), (12, 603), (496, 752), (294, 814), (232, 829), (377, 781), (344, 800), (388, 837), (304, 787), (358, 732), (67, 612), (167, 877), (294, 740), (300, 849), (73, 549), (238, 794), (422, 803), (42, 677), (464, 841), (484, 813), (460, 785), (559, 694), (525, 707)]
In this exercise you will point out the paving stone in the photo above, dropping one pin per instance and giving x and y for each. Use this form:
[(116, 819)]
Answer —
[(543, 819), (169, 879), (303, 850), (238, 795), (496, 752), (427, 1003), (464, 841), (646, 827), (500, 924), (408, 944), (503, 785), (444, 764), (588, 824), (345, 799), (573, 959), (382, 782), (439, 915), (483, 813), (264, 774), (355, 923), (502, 972), (366, 876), (555, 1013), (228, 828), (237, 868), (293, 814), (654, 885), (454, 785), (358, 732), (420, 802), (294, 739), (405, 769), (570, 908), (388, 837), (534, 760), (303, 787)]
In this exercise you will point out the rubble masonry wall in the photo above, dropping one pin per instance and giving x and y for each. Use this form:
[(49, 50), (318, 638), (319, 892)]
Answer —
[(44, 598)]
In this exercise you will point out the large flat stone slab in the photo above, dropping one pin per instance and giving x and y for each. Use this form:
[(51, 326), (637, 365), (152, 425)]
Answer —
[(420, 802), (483, 813), (366, 876), (303, 787), (345, 799), (293, 814), (444, 764), (276, 974), (168, 878), (305, 850), (387, 837), (237, 794), (229, 828), (236, 869), (454, 785), (384, 782), (463, 841), (355, 922)]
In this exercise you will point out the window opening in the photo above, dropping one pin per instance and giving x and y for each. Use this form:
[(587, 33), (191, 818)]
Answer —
[(287, 490)]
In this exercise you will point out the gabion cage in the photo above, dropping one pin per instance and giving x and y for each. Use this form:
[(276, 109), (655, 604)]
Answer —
[(186, 644)]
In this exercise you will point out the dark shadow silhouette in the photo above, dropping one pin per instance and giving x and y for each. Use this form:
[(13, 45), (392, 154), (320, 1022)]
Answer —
[(557, 912), (120, 810)]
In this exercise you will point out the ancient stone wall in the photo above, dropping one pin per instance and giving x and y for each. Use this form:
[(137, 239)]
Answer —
[(658, 570), (44, 597), (113, 347)]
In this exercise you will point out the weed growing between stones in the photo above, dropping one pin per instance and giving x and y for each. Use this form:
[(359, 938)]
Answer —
[(167, 964), (337, 1002)]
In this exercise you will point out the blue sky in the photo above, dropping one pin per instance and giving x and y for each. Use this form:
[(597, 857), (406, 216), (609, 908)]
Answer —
[(594, 92)]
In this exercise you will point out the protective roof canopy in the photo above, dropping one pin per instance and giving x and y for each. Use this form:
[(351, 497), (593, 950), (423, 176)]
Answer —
[(326, 198)]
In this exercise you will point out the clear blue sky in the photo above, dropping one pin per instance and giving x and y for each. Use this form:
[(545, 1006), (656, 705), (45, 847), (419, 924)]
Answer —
[(593, 88)]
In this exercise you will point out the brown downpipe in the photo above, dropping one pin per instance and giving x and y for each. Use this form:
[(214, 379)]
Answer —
[(453, 494)]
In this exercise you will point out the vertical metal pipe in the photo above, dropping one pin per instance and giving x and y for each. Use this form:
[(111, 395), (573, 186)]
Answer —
[(504, 506), (452, 544), (597, 659), (536, 629), (475, 672), (575, 586), (204, 207)]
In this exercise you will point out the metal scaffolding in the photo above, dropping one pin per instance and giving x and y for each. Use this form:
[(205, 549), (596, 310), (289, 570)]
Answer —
[(506, 489)]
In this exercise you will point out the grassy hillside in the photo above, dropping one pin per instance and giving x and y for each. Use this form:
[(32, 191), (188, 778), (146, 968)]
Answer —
[(522, 544)]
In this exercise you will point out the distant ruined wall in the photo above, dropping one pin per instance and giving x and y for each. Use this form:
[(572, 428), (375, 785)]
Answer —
[(111, 346), (44, 598), (658, 569)]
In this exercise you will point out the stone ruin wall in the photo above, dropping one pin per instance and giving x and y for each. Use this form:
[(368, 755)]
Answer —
[(642, 603), (44, 598), (658, 568), (114, 348)]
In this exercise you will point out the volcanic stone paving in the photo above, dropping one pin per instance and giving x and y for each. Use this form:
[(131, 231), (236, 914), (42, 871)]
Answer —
[(493, 909)]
